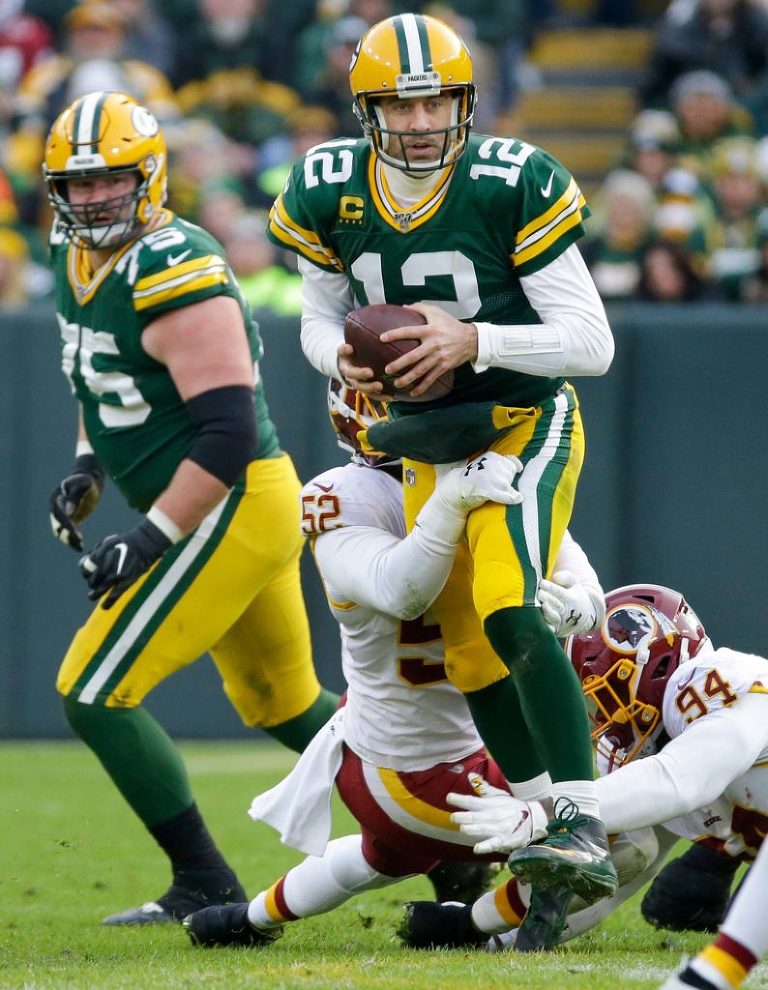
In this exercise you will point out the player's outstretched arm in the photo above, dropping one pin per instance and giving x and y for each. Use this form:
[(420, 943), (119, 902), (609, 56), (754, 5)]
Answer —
[(403, 577), (691, 771)]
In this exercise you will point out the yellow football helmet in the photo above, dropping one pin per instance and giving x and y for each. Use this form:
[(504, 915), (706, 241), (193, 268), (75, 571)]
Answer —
[(412, 55), (100, 134)]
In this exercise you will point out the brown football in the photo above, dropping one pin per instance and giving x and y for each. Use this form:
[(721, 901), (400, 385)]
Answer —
[(363, 328)]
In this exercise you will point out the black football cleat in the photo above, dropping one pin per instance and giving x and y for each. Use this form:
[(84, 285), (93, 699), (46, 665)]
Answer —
[(544, 920), (428, 925), (457, 880), (227, 925), (692, 892), (190, 891), (574, 854)]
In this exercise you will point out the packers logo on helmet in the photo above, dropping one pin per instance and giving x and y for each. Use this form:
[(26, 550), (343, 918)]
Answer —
[(102, 134), (412, 56)]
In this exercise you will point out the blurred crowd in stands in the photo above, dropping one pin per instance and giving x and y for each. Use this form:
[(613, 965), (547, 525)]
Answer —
[(243, 87)]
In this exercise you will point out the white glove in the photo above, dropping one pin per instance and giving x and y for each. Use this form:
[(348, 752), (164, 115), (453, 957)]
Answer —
[(488, 477), (569, 607), (502, 822)]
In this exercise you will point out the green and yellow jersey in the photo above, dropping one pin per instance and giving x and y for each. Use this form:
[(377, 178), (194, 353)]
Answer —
[(134, 417), (505, 210)]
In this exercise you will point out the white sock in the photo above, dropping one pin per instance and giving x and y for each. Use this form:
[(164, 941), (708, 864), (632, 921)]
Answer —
[(536, 789), (582, 792), (317, 884)]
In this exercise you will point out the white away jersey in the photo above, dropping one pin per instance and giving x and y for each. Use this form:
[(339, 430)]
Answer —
[(401, 711), (714, 770), (700, 688)]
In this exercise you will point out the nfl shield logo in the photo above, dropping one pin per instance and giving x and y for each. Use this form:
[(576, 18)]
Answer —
[(410, 477)]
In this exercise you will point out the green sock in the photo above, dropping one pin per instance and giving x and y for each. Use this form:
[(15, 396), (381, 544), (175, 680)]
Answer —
[(499, 719), (297, 732), (549, 691), (138, 755)]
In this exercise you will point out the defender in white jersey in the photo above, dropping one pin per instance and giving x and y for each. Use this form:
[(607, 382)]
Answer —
[(692, 719), (405, 737)]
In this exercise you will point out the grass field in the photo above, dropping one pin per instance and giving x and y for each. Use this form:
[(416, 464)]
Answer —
[(70, 853)]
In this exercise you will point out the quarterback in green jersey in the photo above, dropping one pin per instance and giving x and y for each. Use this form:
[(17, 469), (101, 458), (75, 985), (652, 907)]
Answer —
[(478, 234), (162, 356)]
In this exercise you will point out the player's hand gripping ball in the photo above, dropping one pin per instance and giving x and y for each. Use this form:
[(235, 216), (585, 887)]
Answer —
[(363, 328)]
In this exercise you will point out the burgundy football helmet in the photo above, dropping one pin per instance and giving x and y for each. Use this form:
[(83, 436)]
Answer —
[(625, 664), (352, 411)]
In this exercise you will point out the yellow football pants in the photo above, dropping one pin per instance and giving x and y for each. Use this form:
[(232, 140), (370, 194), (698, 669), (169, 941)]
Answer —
[(507, 549), (232, 589)]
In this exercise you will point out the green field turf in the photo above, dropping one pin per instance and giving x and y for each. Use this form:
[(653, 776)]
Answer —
[(71, 852)]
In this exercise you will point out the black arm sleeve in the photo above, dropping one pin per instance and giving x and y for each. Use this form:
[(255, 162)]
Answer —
[(226, 440)]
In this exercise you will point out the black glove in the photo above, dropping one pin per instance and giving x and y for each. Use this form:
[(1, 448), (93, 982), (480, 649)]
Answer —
[(692, 892), (75, 498), (117, 561)]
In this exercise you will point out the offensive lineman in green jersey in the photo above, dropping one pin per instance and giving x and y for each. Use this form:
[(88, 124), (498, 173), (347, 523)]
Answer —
[(478, 234), (161, 353)]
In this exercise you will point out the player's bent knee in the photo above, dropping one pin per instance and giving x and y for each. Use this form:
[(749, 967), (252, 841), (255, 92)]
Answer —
[(349, 868), (474, 670), (85, 719), (516, 635)]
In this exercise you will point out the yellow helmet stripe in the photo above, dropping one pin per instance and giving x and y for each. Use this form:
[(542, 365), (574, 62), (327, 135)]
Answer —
[(87, 122), (412, 43)]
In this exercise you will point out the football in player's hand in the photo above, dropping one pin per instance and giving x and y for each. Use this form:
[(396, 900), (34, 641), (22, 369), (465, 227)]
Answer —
[(363, 328)]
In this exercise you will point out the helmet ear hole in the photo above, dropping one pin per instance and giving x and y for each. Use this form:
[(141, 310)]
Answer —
[(661, 667)]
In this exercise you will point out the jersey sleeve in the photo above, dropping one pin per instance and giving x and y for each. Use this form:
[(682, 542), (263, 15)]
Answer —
[(179, 266), (689, 772), (543, 205), (303, 213)]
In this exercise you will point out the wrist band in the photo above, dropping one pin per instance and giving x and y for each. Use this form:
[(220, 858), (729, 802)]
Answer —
[(165, 524), (83, 447)]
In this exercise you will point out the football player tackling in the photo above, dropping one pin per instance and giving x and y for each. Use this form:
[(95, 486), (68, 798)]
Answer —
[(479, 235), (405, 736), (161, 353), (682, 740)]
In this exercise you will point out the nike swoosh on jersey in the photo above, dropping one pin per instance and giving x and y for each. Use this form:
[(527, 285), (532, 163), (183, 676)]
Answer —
[(546, 190), (174, 260), (323, 488)]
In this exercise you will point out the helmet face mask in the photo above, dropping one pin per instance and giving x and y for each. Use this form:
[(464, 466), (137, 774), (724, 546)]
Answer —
[(350, 412), (105, 134), (412, 56), (625, 665)]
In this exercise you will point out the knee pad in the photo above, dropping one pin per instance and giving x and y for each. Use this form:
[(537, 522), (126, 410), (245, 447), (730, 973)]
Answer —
[(633, 852)]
